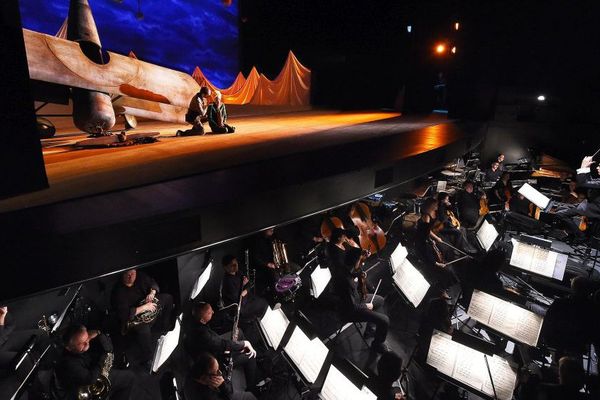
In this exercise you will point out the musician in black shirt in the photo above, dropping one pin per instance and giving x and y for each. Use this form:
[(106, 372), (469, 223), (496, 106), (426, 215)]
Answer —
[(201, 338), (493, 173), (206, 382), (82, 363), (132, 296), (352, 306), (467, 204), (261, 254), (233, 286)]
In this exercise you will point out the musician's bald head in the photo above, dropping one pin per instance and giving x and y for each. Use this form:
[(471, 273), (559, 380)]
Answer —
[(202, 312)]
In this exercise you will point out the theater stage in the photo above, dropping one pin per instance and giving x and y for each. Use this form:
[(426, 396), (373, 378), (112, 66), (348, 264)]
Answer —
[(115, 208), (74, 173)]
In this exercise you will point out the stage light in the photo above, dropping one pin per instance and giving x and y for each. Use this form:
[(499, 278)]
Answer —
[(453, 50), (541, 97), (440, 48), (456, 26), (409, 28)]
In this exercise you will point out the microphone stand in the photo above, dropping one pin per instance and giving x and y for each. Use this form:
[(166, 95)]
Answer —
[(487, 365)]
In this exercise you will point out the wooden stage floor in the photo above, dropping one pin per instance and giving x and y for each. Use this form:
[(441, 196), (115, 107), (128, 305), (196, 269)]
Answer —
[(74, 173)]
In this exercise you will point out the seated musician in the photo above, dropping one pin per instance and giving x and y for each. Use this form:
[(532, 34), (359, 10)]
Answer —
[(493, 173), (135, 295), (83, 361), (261, 254), (519, 204), (389, 370), (201, 338), (500, 161), (502, 191), (233, 286), (426, 247), (467, 204), (437, 316), (571, 195), (571, 378), (197, 113), (205, 382), (451, 228), (589, 208), (353, 306), (217, 115)]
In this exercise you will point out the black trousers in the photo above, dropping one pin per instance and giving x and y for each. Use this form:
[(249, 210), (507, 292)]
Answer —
[(121, 382), (222, 129), (241, 360), (375, 318)]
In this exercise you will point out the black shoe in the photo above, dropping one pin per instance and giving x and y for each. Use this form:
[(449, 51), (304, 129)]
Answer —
[(261, 387), (380, 347), (178, 133)]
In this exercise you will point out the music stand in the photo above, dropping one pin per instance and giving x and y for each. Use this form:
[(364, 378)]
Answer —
[(486, 235), (165, 346), (534, 196), (319, 279), (201, 281), (274, 326)]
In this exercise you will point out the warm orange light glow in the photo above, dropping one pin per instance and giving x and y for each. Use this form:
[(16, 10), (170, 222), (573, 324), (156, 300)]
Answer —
[(440, 48), (456, 26), (453, 50)]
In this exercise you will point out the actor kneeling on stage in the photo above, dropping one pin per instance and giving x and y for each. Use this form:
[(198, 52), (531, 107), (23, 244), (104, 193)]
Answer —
[(233, 286), (87, 360), (197, 113), (139, 307), (354, 307), (206, 382), (201, 338), (217, 115)]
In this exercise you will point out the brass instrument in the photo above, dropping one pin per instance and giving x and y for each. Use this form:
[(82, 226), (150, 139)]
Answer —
[(145, 317), (280, 258), (100, 389)]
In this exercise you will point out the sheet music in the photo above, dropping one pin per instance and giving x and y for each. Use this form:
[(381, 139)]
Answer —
[(468, 366), (505, 378), (534, 196), (442, 353), (398, 256), (308, 355), (411, 282), (338, 387), (505, 317), (320, 278), (538, 260), (166, 345), (274, 324), (487, 235)]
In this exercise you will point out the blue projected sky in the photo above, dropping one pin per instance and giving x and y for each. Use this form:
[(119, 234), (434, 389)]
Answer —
[(177, 34)]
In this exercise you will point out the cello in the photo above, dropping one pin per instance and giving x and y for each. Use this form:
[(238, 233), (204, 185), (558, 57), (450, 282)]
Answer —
[(371, 236)]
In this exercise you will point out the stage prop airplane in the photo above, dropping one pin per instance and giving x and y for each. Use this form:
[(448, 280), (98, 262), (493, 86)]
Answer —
[(102, 84)]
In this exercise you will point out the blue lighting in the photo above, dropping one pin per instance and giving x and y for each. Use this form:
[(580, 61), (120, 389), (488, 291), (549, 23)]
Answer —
[(177, 34)]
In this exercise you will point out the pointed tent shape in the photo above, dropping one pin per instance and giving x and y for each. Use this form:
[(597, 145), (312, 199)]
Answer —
[(132, 55), (246, 92), (237, 84), (62, 32), (199, 77)]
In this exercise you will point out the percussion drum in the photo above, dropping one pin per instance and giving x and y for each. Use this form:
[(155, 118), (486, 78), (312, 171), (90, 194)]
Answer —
[(287, 286)]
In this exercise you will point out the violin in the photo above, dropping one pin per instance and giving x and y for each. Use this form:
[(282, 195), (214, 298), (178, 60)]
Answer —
[(371, 237), (484, 208), (331, 223), (362, 275), (453, 220)]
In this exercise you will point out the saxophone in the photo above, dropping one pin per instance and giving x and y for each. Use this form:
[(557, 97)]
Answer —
[(280, 257), (100, 389)]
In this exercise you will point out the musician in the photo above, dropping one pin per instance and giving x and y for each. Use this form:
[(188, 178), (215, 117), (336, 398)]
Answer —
[(352, 306), (132, 296), (436, 317), (589, 208), (500, 161), (201, 338), (82, 362), (233, 286), (519, 204), (217, 115), (571, 195), (493, 173), (571, 378), (451, 226), (428, 246), (389, 370), (261, 254), (467, 204), (206, 382), (502, 190), (197, 113)]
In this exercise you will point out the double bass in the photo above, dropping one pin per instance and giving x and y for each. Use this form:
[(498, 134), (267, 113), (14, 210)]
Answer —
[(371, 236)]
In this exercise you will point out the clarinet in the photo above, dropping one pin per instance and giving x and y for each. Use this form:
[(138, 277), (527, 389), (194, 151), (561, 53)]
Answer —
[(235, 332), (250, 272)]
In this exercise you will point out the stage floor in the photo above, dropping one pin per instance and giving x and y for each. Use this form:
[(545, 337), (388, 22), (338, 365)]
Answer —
[(74, 173)]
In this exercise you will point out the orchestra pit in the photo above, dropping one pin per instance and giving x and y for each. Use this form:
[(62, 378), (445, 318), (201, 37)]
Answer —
[(241, 199)]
